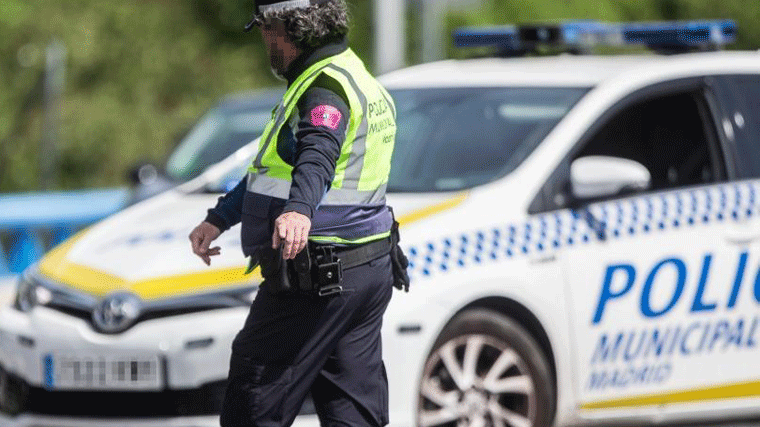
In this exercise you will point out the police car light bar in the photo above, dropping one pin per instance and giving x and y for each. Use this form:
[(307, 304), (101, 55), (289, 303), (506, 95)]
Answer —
[(678, 35), (503, 37)]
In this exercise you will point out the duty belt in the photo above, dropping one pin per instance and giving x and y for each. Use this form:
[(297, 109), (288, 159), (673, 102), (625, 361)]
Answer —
[(351, 257), (318, 268)]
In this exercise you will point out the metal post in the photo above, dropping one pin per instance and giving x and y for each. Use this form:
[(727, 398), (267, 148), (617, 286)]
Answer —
[(433, 16), (55, 66), (390, 35)]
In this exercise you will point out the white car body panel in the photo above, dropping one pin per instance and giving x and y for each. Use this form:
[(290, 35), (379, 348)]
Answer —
[(155, 233)]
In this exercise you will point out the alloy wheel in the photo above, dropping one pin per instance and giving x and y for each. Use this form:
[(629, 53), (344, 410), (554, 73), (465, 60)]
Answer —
[(476, 380)]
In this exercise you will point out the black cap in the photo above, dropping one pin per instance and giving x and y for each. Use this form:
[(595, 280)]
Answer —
[(263, 6)]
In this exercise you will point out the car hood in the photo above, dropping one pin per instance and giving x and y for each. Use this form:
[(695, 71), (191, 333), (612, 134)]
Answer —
[(145, 249)]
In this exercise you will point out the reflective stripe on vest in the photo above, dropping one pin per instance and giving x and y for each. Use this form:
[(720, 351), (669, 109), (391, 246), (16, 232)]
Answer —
[(361, 172), (280, 188), (338, 240)]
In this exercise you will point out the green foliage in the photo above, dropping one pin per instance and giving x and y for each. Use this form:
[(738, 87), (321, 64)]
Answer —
[(137, 75), (140, 72)]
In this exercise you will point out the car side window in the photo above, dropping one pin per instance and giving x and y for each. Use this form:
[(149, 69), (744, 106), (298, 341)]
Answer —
[(671, 134), (741, 105)]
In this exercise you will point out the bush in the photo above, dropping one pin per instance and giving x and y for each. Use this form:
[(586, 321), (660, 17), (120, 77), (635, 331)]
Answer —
[(137, 74)]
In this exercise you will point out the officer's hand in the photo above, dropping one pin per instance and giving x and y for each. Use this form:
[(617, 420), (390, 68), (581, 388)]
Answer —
[(201, 238), (292, 230)]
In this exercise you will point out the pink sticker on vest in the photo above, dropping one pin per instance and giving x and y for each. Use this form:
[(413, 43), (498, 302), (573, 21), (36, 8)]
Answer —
[(325, 115)]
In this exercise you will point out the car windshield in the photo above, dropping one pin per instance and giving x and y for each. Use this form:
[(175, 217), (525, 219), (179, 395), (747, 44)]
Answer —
[(451, 139), (218, 134)]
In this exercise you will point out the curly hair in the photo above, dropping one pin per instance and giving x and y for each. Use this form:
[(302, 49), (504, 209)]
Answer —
[(312, 26)]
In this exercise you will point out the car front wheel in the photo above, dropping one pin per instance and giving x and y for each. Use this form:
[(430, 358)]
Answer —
[(485, 370)]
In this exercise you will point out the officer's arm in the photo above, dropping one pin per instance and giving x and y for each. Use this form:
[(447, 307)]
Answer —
[(228, 209), (324, 116)]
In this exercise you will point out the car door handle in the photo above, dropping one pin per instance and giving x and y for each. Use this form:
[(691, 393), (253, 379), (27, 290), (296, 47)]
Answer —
[(542, 259)]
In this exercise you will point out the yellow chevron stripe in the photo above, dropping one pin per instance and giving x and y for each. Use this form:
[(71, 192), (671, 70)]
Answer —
[(726, 391), (163, 287), (432, 210), (55, 266)]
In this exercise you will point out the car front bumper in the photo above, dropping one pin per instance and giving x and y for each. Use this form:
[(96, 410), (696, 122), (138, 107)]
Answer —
[(193, 350)]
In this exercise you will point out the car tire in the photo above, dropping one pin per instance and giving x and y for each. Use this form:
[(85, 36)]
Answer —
[(485, 370), (13, 394)]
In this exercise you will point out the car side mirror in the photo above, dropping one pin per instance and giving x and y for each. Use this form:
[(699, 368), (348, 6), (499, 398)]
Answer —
[(143, 174), (594, 177)]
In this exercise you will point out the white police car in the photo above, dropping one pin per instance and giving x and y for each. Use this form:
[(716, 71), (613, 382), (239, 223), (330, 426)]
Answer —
[(584, 239)]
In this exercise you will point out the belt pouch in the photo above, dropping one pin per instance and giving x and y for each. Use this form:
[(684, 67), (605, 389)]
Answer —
[(300, 270), (399, 260)]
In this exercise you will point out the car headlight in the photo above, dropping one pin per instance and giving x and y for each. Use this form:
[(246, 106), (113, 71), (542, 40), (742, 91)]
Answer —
[(25, 294), (30, 293)]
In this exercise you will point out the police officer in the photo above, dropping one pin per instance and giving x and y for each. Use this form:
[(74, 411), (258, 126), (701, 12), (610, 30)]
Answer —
[(314, 218)]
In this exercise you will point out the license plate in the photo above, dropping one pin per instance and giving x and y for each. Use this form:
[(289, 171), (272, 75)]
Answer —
[(73, 372)]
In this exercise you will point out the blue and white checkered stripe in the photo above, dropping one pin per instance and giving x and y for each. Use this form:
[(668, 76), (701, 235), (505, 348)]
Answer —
[(619, 219)]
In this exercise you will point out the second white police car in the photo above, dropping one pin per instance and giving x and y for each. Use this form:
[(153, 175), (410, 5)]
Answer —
[(584, 244)]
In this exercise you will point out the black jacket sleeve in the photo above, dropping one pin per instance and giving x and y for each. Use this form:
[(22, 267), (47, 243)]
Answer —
[(324, 115), (228, 209)]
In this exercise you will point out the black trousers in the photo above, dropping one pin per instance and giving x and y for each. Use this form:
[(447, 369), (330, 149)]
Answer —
[(293, 344)]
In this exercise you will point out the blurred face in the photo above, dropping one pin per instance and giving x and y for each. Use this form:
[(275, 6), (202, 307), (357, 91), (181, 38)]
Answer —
[(280, 49)]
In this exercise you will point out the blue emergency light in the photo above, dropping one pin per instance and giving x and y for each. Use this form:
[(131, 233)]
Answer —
[(580, 35)]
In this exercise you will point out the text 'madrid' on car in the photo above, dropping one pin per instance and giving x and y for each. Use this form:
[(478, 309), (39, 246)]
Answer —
[(584, 242)]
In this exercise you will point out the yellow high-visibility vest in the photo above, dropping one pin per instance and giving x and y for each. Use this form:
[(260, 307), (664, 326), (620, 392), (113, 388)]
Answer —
[(361, 172)]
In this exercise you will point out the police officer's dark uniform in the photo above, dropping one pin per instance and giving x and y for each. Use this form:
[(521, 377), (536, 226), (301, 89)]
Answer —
[(315, 323)]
